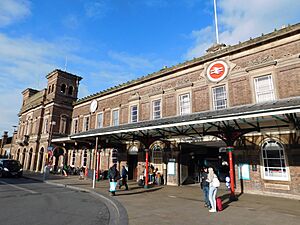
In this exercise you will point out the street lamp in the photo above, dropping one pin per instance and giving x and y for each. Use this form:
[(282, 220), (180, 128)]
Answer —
[(49, 148), (11, 143)]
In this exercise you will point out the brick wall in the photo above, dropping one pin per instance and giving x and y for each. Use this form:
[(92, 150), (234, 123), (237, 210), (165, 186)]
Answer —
[(239, 91), (288, 81)]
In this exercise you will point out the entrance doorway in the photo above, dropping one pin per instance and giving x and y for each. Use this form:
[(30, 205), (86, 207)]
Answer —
[(58, 158), (132, 167), (194, 157), (132, 162)]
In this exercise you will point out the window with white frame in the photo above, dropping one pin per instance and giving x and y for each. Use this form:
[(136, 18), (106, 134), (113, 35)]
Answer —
[(156, 109), (115, 117), (86, 123), (184, 104), (99, 120), (84, 158), (133, 114), (75, 126), (274, 162), (219, 97), (264, 88), (73, 158)]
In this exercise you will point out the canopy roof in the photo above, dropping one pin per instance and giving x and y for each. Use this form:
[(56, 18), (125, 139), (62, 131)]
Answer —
[(283, 115)]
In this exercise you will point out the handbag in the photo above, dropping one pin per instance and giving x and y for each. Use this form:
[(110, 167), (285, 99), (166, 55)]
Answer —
[(112, 186), (215, 182)]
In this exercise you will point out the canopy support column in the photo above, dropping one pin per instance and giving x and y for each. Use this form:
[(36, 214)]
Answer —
[(231, 168), (146, 168)]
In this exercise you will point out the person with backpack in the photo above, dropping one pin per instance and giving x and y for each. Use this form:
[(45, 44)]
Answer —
[(123, 180), (214, 183), (205, 186)]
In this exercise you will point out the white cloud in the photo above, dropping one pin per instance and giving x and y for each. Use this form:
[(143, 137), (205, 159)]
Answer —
[(203, 39), (13, 10), (24, 63), (96, 9), (134, 62), (239, 21), (8, 101)]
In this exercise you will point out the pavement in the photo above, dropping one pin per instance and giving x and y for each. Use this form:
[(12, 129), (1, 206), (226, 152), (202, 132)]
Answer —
[(181, 204)]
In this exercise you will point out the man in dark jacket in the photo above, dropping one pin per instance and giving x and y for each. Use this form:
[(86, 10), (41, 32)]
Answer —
[(123, 180), (113, 175), (205, 187)]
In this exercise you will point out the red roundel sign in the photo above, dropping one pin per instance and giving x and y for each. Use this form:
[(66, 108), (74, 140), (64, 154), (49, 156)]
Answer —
[(217, 71)]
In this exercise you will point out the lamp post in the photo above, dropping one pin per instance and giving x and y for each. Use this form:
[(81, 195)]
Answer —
[(49, 148), (96, 163), (11, 143)]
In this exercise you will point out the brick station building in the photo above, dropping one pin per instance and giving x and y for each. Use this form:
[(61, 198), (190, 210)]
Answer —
[(243, 98), (45, 114)]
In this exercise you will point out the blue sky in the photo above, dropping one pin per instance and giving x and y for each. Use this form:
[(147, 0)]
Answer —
[(109, 42)]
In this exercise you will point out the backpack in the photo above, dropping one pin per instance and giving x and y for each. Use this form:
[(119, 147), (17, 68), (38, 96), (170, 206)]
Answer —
[(215, 182)]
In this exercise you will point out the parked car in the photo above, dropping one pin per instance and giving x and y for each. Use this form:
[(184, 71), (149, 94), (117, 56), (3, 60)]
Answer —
[(10, 167)]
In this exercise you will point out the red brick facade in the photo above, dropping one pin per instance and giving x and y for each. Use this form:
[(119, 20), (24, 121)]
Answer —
[(271, 60)]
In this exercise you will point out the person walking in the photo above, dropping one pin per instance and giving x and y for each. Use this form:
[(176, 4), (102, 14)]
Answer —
[(205, 186), (113, 175), (214, 183), (123, 180)]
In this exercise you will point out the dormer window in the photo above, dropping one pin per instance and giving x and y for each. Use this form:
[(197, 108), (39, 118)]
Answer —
[(63, 88)]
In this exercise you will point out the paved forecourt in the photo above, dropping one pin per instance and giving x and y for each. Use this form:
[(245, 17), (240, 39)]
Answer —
[(184, 204)]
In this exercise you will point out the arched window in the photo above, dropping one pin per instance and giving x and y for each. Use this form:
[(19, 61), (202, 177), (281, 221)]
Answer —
[(84, 158), (274, 162), (63, 88), (157, 155), (73, 158), (52, 87), (70, 90)]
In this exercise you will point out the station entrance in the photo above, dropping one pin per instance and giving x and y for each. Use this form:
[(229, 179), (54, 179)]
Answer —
[(194, 157)]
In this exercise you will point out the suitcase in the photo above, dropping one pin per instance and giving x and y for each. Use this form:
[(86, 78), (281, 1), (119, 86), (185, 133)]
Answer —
[(219, 204)]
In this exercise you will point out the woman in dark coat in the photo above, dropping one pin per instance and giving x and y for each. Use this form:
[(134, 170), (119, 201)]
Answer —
[(113, 175)]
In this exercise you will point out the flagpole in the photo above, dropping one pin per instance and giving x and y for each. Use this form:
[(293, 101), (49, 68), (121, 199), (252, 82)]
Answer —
[(216, 21)]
